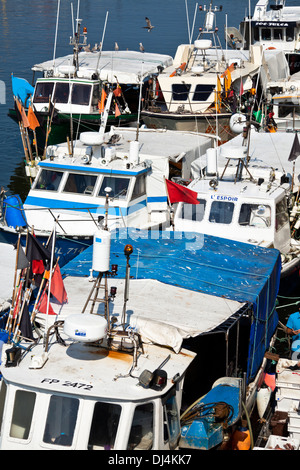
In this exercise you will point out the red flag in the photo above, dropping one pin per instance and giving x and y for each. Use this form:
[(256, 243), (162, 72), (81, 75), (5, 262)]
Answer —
[(178, 193), (57, 286), (42, 305), (117, 91)]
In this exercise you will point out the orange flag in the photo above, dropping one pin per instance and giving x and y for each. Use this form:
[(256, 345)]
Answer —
[(101, 103), (118, 91), (117, 111), (32, 119), (23, 114)]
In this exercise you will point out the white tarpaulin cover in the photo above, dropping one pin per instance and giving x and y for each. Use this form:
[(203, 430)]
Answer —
[(127, 66)]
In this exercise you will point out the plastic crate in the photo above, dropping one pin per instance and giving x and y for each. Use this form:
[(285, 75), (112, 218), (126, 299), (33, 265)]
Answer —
[(282, 442)]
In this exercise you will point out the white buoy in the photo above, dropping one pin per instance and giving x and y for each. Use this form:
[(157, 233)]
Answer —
[(101, 250), (262, 400), (85, 327)]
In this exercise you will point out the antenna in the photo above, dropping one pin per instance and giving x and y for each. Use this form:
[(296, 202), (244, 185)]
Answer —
[(56, 31), (101, 46)]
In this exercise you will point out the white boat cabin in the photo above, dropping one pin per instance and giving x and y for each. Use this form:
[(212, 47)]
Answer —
[(74, 188), (78, 96), (238, 203), (274, 26)]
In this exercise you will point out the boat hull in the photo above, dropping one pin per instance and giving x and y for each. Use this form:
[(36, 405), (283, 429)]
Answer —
[(190, 122)]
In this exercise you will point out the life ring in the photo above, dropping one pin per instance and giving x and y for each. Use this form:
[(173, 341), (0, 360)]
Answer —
[(181, 67)]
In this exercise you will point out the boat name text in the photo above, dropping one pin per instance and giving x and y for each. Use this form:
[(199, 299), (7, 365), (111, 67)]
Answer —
[(66, 383), (224, 198)]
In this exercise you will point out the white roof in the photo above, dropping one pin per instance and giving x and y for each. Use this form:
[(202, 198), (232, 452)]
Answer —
[(158, 319), (127, 66)]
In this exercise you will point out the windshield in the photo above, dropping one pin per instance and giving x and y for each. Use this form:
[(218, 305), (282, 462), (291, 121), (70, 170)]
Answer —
[(118, 185), (42, 92)]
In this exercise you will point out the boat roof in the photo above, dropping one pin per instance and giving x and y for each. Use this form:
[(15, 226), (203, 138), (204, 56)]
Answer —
[(158, 320), (200, 263), (267, 151), (240, 189), (95, 371), (289, 14), (153, 144), (111, 66)]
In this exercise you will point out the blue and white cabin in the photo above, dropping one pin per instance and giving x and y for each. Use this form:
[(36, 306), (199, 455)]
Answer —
[(73, 186)]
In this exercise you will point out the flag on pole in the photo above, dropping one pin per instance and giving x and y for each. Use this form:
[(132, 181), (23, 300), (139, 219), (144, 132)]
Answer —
[(42, 304), (32, 119), (101, 103), (295, 150), (117, 111), (57, 286), (37, 254), (178, 193)]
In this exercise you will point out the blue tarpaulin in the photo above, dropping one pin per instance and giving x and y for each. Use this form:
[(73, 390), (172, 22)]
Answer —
[(215, 266), (21, 89)]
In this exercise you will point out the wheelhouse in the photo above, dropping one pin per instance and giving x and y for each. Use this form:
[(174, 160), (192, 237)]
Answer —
[(44, 420), (75, 95), (237, 215), (80, 196)]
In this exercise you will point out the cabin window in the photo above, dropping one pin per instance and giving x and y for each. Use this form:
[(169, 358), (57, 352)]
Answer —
[(193, 211), (104, 427), (180, 91), (278, 33), (81, 94), (290, 34), (202, 92), (171, 422), (48, 180), (266, 34), (282, 217), (255, 215), (61, 420), (221, 212), (288, 109), (141, 434), (42, 92), (61, 93), (22, 414), (139, 187), (80, 184), (96, 95), (118, 185)]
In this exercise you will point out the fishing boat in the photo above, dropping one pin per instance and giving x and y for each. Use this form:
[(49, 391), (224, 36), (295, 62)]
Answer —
[(70, 96), (121, 172), (204, 86), (247, 190), (276, 28), (119, 349)]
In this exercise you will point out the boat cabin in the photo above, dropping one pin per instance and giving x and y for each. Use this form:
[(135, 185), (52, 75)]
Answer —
[(237, 211), (74, 187), (68, 95)]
